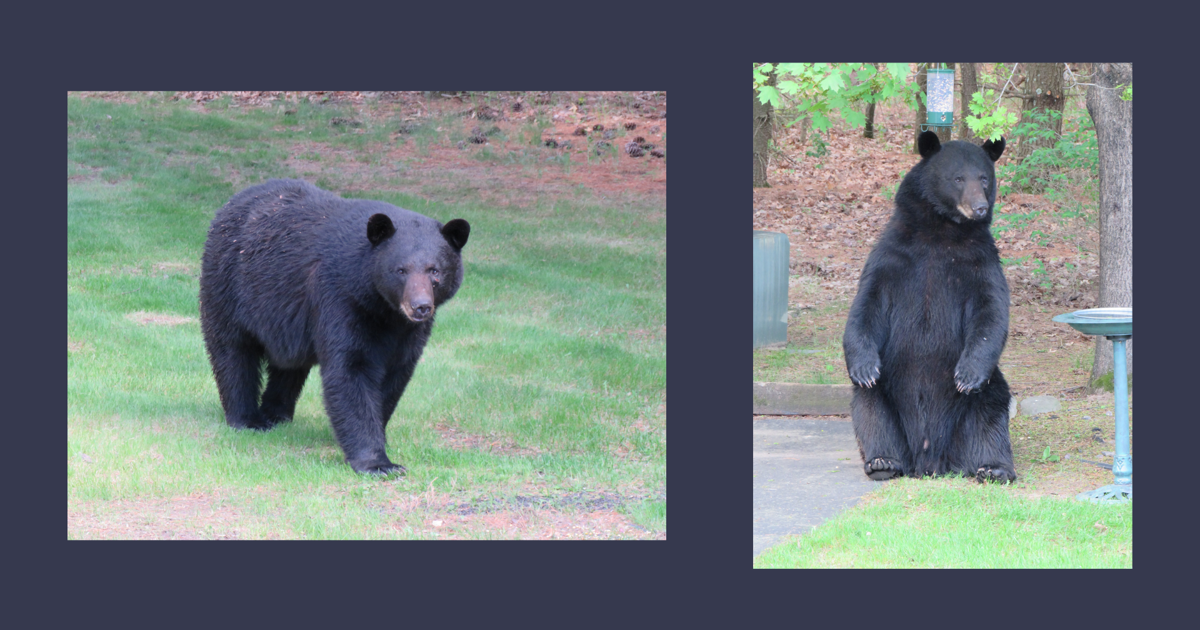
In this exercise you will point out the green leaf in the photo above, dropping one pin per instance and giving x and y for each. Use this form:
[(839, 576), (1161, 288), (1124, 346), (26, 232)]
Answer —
[(898, 70), (819, 121), (854, 117), (768, 94), (833, 82)]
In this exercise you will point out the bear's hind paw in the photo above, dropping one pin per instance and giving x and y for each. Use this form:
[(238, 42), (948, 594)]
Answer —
[(882, 468), (995, 473)]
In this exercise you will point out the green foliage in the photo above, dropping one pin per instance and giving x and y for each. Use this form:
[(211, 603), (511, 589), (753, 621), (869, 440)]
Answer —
[(820, 149), (821, 89), (1105, 382), (1074, 156), (1046, 457), (889, 191), (991, 120)]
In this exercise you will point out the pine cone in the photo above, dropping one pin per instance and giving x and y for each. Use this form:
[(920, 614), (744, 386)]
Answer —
[(639, 140), (610, 134), (630, 126), (552, 143), (633, 149), (656, 153), (580, 131), (517, 106), (597, 127)]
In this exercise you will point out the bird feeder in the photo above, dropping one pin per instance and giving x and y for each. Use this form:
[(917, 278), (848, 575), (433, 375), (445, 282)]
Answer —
[(939, 88), (1117, 325)]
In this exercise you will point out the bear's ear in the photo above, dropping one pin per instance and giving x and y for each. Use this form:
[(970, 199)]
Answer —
[(456, 233), (379, 228), (994, 149), (928, 143)]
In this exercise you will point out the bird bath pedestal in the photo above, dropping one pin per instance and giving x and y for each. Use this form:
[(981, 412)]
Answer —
[(1117, 325)]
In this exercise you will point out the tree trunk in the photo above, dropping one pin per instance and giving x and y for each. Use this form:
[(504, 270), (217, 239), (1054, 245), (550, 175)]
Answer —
[(1113, 119), (764, 121), (1044, 85), (942, 132), (869, 129), (970, 86)]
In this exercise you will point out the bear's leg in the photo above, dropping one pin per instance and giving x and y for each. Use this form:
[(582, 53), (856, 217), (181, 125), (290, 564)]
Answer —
[(237, 368), (981, 446), (283, 389), (877, 429), (393, 388), (354, 402)]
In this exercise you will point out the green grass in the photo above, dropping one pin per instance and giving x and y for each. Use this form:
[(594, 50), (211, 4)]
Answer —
[(954, 522), (554, 347)]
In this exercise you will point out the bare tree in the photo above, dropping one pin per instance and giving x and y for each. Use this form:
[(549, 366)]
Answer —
[(764, 122), (970, 85), (1042, 93), (1113, 119), (869, 129)]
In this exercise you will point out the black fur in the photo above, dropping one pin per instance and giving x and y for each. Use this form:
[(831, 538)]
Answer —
[(930, 320), (296, 276)]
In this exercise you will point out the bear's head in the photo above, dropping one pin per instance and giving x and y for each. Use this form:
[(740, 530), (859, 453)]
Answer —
[(959, 178), (417, 266)]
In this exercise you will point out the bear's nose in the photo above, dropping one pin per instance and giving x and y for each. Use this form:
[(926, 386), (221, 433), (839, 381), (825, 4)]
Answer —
[(980, 211), (421, 311)]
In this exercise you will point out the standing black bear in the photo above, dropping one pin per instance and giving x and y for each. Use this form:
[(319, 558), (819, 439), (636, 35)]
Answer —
[(298, 276), (928, 325)]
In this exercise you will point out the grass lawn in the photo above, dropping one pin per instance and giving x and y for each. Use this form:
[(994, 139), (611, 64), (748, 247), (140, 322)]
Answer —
[(538, 408), (958, 523)]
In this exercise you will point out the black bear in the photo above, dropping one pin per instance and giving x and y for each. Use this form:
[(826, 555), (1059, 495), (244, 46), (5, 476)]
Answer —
[(925, 332), (297, 276)]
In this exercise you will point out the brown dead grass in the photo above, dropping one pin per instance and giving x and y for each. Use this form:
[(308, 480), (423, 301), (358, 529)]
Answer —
[(497, 444), (159, 319)]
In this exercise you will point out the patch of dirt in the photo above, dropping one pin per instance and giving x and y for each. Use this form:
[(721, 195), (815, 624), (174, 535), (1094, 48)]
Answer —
[(174, 268), (160, 319), (198, 516), (504, 120), (501, 445), (541, 525)]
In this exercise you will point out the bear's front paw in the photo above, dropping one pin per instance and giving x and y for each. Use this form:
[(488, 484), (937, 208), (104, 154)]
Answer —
[(865, 374), (995, 472), (382, 467), (968, 380)]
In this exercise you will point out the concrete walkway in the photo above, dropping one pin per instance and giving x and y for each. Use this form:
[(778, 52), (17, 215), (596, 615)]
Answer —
[(806, 470)]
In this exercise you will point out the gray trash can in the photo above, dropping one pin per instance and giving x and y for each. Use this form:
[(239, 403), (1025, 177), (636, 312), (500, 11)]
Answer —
[(770, 289)]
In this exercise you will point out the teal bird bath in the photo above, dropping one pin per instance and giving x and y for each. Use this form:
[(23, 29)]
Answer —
[(1117, 325)]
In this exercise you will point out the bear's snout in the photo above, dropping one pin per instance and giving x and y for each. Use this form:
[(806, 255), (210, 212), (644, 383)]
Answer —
[(417, 301)]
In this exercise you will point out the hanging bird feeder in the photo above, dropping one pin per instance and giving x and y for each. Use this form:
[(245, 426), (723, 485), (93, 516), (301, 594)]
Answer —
[(939, 110)]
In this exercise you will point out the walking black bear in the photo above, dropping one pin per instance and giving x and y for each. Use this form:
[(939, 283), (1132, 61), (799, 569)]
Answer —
[(930, 320), (298, 276)]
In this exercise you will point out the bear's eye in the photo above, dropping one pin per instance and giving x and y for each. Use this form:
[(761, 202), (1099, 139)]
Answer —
[(433, 272), (400, 270), (958, 180)]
